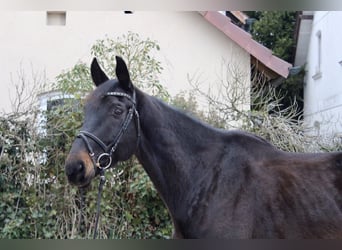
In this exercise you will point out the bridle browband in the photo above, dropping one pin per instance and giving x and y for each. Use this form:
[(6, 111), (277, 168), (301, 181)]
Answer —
[(108, 150)]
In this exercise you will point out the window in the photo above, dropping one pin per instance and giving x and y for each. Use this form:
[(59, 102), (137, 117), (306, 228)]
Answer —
[(318, 72), (49, 101), (55, 108), (56, 18)]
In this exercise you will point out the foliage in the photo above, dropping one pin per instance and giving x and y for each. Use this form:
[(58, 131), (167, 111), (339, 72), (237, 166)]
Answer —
[(292, 90), (187, 102), (76, 81), (275, 30), (140, 57)]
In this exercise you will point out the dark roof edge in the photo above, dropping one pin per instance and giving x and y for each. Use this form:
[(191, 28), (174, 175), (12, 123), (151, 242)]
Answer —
[(245, 41)]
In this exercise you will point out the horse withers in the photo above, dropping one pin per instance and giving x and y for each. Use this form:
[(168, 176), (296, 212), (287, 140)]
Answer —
[(215, 183)]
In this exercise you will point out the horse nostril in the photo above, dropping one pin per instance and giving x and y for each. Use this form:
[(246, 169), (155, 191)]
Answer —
[(80, 167), (73, 169)]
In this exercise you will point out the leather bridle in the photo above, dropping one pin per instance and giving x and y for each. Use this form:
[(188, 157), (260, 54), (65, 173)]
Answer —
[(108, 150), (104, 160)]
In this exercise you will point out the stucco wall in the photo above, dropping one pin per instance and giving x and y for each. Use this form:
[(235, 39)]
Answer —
[(189, 45), (323, 87)]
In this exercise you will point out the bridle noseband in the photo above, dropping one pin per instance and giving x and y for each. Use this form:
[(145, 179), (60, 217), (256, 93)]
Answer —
[(108, 150)]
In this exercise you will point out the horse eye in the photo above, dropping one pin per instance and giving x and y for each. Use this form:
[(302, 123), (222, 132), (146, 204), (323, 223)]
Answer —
[(118, 111)]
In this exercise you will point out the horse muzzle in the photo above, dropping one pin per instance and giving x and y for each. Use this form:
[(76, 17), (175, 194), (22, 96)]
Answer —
[(79, 169)]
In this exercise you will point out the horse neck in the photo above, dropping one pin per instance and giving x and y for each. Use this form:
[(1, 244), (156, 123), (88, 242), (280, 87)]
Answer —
[(169, 149)]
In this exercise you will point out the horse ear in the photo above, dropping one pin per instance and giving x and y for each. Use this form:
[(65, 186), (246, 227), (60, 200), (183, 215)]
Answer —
[(122, 74), (97, 73)]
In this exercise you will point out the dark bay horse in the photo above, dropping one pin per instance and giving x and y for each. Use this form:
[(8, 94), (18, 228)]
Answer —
[(215, 183)]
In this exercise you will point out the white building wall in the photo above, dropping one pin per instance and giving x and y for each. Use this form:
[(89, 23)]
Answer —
[(323, 83), (189, 45)]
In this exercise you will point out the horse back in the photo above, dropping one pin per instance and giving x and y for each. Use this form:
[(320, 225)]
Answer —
[(300, 195), (263, 192)]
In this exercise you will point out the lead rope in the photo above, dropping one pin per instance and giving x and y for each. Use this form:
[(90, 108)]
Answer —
[(82, 225), (98, 203)]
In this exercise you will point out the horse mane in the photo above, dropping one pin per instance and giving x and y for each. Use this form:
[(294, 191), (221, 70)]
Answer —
[(205, 127)]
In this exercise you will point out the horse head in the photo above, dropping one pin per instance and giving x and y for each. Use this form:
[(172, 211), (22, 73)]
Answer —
[(110, 129)]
